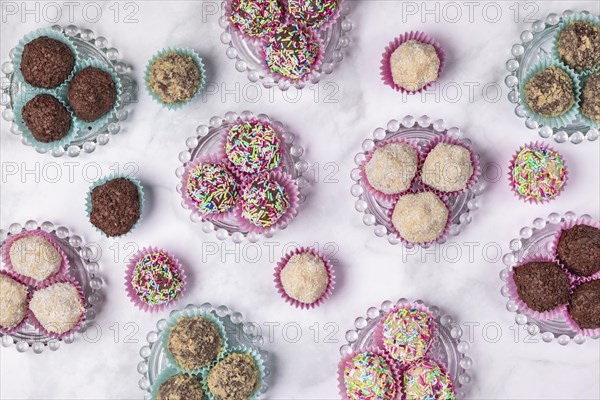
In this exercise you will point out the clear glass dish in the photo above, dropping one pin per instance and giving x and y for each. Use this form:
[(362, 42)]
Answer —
[(422, 129), (248, 56), (537, 239), (447, 347), (83, 259), (208, 140), (89, 47), (534, 45), (238, 333)]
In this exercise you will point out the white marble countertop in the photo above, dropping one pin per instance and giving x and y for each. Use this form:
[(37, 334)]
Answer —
[(330, 123)]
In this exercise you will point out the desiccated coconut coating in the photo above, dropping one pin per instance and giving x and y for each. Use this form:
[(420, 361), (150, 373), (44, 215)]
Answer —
[(35, 257), (13, 302), (414, 64), (447, 168), (58, 307), (235, 377), (304, 277), (420, 217), (194, 342), (392, 168)]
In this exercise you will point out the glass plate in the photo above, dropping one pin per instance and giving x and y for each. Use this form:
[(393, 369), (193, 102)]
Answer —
[(447, 347), (537, 239), (534, 45), (89, 47), (423, 129), (248, 56), (238, 333), (207, 141), (84, 267)]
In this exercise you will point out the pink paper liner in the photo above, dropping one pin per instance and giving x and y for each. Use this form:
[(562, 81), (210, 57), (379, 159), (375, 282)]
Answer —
[(315, 37), (213, 158), (513, 292), (38, 325), (256, 40), (62, 270), (511, 166), (378, 195), (378, 338), (131, 293), (386, 68), (324, 26), (423, 244), (575, 279), (396, 373), (442, 366), (17, 327), (289, 186), (330, 273), (574, 326), (456, 142)]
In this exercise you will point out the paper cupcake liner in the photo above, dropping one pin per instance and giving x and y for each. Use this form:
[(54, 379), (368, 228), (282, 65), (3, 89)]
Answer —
[(395, 370), (212, 158), (319, 57), (18, 326), (511, 167), (456, 142), (187, 52), (239, 349), (386, 67), (192, 314), (554, 246), (164, 375), (289, 186), (131, 293), (575, 327), (513, 292), (64, 264), (561, 120), (330, 273), (325, 25), (422, 244), (378, 336), (53, 34), (582, 117), (33, 319), (565, 22), (102, 181), (442, 366), (255, 40)]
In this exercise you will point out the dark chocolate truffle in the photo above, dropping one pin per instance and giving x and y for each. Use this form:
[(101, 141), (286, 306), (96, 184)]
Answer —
[(550, 92), (579, 45), (181, 387), (194, 342), (115, 206), (590, 98), (235, 377), (46, 62), (543, 286), (46, 118), (584, 306), (579, 249), (92, 93)]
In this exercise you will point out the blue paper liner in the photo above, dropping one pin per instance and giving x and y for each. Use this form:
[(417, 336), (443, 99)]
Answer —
[(165, 375), (187, 313), (561, 120), (187, 52), (583, 118), (102, 181), (565, 22)]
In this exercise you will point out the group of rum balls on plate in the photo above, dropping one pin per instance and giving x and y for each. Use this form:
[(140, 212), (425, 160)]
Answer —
[(202, 364), (566, 87), (565, 283), (399, 365), (61, 92), (286, 30), (36, 287)]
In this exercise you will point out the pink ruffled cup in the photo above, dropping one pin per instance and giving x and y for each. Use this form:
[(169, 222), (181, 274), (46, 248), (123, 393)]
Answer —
[(568, 225), (512, 183), (64, 263), (386, 67), (394, 369), (55, 335), (574, 325), (456, 142), (255, 40), (377, 194), (289, 187), (379, 336), (330, 274), (328, 23), (18, 326), (513, 292), (440, 364), (132, 293)]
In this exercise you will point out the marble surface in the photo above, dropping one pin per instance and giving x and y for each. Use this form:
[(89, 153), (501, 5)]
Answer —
[(330, 121)]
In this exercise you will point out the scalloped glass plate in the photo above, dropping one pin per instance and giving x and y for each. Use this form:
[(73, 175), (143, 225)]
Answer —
[(89, 47), (537, 239), (207, 142), (238, 333), (448, 347), (534, 45), (423, 129), (84, 267)]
